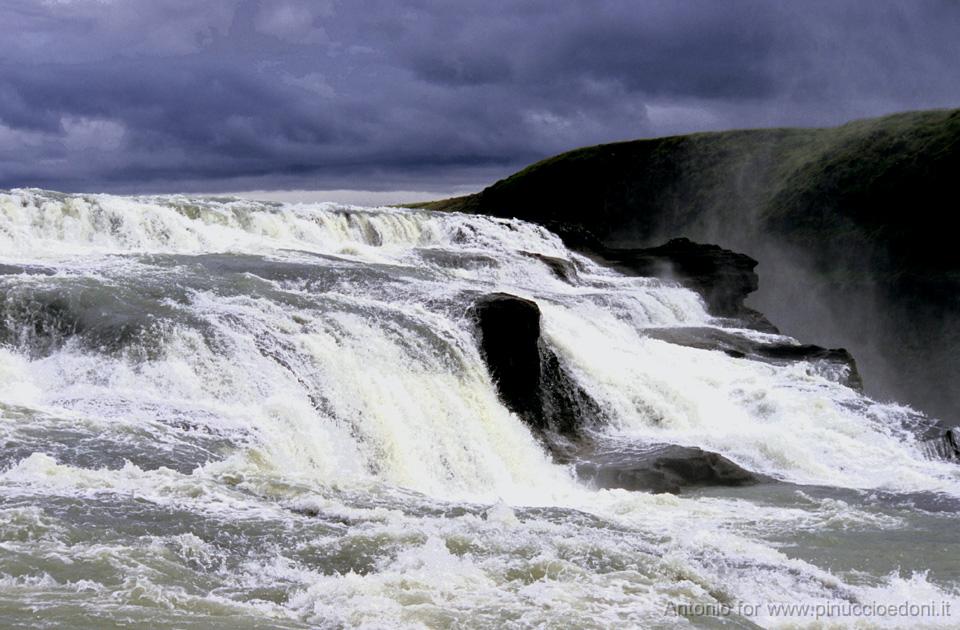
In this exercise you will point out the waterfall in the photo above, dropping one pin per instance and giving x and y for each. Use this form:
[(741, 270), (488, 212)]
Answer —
[(224, 361)]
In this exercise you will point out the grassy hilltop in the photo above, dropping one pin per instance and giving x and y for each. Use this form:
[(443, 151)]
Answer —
[(852, 225)]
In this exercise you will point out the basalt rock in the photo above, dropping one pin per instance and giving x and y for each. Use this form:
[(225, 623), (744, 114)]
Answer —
[(529, 376), (723, 278), (945, 444), (836, 364), (561, 268), (509, 329), (658, 468)]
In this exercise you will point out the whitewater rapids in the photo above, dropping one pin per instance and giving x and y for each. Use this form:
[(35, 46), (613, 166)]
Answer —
[(225, 413)]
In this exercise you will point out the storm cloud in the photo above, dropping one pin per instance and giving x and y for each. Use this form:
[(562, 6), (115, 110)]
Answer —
[(165, 95)]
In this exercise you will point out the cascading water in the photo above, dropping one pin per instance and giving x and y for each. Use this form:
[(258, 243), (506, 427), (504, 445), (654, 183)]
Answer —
[(234, 414)]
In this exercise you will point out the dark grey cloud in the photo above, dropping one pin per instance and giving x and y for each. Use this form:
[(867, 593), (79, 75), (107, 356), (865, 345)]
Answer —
[(374, 94)]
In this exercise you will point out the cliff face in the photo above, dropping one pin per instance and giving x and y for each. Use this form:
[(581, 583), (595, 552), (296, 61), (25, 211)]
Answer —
[(853, 228)]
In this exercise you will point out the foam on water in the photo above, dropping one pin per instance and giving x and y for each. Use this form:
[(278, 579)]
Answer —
[(296, 427), (786, 421)]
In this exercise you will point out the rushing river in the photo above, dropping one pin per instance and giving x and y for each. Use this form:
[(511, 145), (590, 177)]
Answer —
[(218, 413)]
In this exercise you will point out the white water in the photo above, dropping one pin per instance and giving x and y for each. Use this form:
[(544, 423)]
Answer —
[(359, 394)]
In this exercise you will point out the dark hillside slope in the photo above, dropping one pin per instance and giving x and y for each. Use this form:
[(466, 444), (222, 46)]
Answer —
[(853, 227)]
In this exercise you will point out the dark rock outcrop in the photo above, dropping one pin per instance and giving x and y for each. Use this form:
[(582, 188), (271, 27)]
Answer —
[(848, 374), (723, 278), (834, 363), (510, 341), (561, 268), (944, 445), (529, 376), (659, 468)]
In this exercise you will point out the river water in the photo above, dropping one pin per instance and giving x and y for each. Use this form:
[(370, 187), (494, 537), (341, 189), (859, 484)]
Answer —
[(219, 413)]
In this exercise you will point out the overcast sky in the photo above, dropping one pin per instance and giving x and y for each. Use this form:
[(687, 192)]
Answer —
[(446, 96)]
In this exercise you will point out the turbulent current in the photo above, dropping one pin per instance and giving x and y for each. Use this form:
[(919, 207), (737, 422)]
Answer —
[(218, 413)]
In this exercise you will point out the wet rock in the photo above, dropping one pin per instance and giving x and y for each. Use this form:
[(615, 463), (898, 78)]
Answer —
[(659, 468), (945, 445), (836, 364), (459, 259), (529, 376), (844, 366), (722, 277), (565, 408), (561, 268), (510, 341)]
